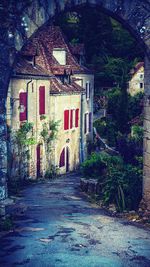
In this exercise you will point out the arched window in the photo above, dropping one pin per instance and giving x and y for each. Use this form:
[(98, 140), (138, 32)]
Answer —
[(62, 158)]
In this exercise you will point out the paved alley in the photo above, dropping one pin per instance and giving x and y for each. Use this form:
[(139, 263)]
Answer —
[(55, 226)]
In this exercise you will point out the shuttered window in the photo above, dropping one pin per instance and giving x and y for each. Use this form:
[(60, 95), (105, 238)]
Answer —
[(71, 118), (23, 106), (90, 122), (66, 119), (62, 158), (77, 118), (42, 100), (85, 123), (88, 89)]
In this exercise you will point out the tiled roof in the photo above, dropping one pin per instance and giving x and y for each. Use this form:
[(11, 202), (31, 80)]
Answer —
[(23, 67), (42, 44), (57, 87), (137, 67)]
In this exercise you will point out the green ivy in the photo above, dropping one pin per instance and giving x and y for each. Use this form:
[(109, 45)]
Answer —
[(49, 133), (22, 137), (121, 182)]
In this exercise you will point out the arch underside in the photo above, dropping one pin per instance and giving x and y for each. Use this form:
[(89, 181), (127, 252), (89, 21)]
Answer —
[(133, 14)]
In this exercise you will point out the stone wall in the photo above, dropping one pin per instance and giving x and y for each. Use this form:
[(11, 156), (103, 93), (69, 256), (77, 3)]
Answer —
[(146, 147), (3, 151)]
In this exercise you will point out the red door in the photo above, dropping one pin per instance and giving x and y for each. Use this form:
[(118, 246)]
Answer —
[(67, 159), (38, 160)]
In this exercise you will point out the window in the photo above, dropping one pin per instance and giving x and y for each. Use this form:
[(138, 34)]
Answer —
[(23, 106), (77, 118), (141, 76), (90, 122), (66, 119), (141, 85), (88, 89), (71, 118), (42, 100), (62, 158), (60, 55), (87, 122)]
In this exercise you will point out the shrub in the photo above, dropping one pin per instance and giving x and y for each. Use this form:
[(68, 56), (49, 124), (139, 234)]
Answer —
[(130, 146), (123, 187), (51, 172), (94, 166), (135, 105), (101, 126), (121, 182)]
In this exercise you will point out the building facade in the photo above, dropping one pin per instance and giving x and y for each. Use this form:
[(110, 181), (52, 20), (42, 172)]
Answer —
[(136, 83), (49, 107)]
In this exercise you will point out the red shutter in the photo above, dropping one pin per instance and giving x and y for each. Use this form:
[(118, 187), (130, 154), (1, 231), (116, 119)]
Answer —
[(90, 122), (66, 119), (85, 124), (42, 100), (71, 118), (23, 106), (77, 118), (62, 158)]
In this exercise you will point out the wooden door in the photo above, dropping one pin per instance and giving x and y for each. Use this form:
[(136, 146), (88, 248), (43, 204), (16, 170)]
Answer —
[(67, 159), (38, 160)]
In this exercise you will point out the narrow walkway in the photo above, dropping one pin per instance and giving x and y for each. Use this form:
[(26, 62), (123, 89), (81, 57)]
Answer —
[(57, 227)]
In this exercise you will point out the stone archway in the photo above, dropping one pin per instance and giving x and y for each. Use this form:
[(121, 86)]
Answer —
[(20, 20)]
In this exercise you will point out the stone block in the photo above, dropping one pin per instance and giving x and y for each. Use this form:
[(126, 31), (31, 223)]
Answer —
[(84, 184), (92, 186)]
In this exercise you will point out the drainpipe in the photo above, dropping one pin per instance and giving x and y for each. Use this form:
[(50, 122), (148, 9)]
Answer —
[(27, 97), (27, 94), (81, 130)]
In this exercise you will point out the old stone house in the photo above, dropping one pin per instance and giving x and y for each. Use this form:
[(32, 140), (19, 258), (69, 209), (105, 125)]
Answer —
[(136, 83), (49, 90)]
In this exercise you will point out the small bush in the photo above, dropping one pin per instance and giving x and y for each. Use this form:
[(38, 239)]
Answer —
[(101, 126), (121, 182), (94, 166), (51, 172)]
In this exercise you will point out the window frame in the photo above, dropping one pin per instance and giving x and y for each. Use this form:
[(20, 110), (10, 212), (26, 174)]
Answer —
[(88, 90)]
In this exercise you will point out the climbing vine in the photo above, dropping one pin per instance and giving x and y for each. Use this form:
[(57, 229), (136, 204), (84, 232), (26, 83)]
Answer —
[(19, 155), (24, 135), (49, 133)]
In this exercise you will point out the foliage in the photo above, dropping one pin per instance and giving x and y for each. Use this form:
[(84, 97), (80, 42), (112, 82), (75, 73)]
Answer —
[(51, 172), (131, 147), (49, 133), (101, 127), (110, 49), (117, 107), (23, 135), (95, 165), (42, 117), (135, 105), (121, 182), (137, 133)]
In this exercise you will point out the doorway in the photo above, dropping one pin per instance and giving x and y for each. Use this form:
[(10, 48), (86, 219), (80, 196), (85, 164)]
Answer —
[(38, 160), (65, 159)]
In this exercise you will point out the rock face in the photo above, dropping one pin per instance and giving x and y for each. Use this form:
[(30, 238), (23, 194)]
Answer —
[(22, 19)]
